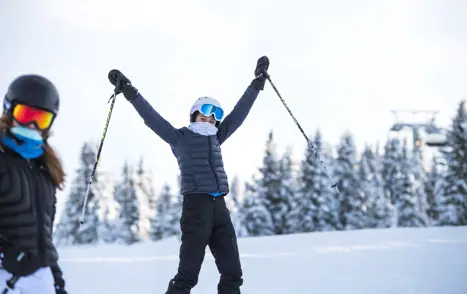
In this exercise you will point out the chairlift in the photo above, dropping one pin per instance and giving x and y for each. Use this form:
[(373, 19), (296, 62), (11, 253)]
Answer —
[(435, 137)]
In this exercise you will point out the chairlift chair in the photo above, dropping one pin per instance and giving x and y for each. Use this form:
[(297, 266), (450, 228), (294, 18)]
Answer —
[(435, 137)]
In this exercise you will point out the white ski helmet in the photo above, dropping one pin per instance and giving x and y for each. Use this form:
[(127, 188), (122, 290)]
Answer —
[(207, 106)]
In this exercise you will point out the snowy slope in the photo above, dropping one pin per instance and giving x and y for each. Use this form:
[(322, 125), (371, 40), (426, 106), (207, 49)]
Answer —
[(398, 261)]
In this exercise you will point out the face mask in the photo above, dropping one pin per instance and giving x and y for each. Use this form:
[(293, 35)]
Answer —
[(203, 128), (27, 142)]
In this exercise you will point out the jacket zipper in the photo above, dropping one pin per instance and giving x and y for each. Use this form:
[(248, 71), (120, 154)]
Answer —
[(210, 164), (39, 214)]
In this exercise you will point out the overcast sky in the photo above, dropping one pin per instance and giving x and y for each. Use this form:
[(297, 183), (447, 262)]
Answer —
[(340, 65)]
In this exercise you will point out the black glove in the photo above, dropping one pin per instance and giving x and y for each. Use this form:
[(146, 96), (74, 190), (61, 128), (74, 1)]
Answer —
[(18, 263), (122, 85), (261, 73)]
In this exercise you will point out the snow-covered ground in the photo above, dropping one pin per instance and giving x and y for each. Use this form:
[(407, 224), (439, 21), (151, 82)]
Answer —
[(398, 261)]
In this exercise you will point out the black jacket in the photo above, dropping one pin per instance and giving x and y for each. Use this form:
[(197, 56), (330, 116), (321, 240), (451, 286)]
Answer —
[(199, 157), (27, 212)]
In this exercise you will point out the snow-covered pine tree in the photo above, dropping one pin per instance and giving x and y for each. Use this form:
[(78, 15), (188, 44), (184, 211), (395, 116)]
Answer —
[(391, 173), (234, 204), (407, 204), (233, 199), (164, 221), (260, 194), (317, 207), (108, 228), (453, 198), (420, 178), (352, 210), (285, 200), (256, 219), (66, 232), (275, 174), (391, 168), (432, 189), (125, 196), (154, 226), (108, 213), (176, 210), (379, 208), (146, 198)]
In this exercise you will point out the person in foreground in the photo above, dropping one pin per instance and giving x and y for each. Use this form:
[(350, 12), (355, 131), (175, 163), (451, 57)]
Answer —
[(30, 173), (205, 219)]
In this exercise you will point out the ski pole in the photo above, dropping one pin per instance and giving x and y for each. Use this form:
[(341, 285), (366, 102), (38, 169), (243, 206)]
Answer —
[(334, 184), (112, 98), (10, 284)]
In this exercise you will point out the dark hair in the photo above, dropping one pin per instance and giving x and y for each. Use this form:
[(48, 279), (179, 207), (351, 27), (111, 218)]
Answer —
[(53, 163)]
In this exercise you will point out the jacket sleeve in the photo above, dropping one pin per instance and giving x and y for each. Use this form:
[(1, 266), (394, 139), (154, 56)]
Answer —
[(155, 121), (238, 115)]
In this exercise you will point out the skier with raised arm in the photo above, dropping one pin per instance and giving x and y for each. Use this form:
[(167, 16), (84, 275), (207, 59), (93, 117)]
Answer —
[(205, 219)]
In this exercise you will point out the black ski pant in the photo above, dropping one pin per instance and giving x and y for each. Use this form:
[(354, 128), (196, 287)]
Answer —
[(205, 222)]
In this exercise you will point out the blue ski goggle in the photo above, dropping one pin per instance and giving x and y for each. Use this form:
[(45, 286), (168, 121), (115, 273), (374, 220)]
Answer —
[(210, 109)]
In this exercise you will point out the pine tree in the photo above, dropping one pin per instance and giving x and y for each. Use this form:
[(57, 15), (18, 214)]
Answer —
[(453, 199), (234, 205), (391, 173), (109, 212), (165, 220), (261, 194), (108, 209), (420, 178), (286, 196), (108, 229), (146, 198), (67, 231), (391, 168), (275, 174), (256, 219), (352, 210), (432, 189), (407, 202), (233, 200), (379, 208), (316, 206), (176, 212), (125, 196)]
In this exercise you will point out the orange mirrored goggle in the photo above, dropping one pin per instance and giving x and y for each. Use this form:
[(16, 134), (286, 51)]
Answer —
[(26, 115)]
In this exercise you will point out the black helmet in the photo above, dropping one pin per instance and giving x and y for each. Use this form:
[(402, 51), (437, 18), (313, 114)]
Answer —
[(35, 91)]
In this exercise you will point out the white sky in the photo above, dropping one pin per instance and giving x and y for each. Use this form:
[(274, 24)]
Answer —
[(340, 65)]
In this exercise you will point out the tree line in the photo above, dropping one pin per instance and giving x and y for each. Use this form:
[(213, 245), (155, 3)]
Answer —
[(378, 189)]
